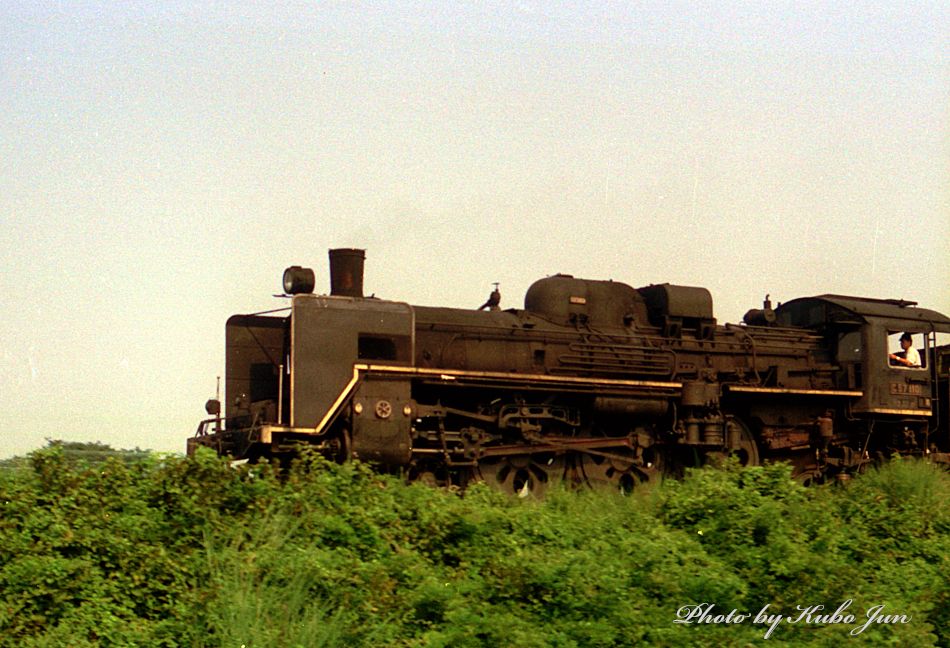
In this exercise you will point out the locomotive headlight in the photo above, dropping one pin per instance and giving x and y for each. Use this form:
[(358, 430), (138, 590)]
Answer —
[(298, 280)]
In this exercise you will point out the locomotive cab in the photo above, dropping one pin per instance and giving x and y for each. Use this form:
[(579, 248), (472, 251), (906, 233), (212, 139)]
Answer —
[(864, 332)]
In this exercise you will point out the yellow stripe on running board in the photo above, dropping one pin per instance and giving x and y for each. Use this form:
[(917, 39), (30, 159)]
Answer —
[(788, 390), (451, 374)]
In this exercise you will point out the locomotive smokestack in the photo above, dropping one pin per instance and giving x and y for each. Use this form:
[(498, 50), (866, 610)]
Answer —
[(346, 272)]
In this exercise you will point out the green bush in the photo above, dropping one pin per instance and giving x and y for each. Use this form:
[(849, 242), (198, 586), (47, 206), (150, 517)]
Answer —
[(167, 551)]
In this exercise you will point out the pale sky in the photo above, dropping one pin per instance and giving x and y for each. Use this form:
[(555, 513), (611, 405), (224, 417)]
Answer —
[(162, 163)]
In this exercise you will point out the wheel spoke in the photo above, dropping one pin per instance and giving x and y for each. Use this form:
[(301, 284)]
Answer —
[(524, 475), (616, 471)]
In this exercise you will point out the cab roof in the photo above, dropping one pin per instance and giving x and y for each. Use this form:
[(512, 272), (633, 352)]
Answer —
[(841, 309)]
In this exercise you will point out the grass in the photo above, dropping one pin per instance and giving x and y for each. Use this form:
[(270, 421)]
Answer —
[(192, 552)]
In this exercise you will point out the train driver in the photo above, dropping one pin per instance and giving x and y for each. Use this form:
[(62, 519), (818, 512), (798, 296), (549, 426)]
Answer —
[(909, 356)]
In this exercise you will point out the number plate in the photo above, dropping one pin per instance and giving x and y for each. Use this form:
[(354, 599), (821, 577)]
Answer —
[(904, 388)]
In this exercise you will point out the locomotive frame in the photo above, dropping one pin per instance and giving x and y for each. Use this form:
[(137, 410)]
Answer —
[(593, 382)]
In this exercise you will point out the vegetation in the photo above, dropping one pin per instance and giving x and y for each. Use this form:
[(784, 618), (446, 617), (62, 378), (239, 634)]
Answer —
[(168, 551), (75, 451)]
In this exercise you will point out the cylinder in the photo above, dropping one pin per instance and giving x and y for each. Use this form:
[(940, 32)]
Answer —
[(346, 272), (692, 431), (713, 432)]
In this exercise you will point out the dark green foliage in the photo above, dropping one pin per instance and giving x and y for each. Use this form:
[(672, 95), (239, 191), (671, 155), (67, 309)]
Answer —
[(193, 552)]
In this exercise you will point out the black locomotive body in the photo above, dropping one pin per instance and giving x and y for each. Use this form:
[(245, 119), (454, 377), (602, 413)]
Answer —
[(592, 382)]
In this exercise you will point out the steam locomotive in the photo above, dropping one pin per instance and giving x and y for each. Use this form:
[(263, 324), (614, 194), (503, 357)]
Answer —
[(592, 382)]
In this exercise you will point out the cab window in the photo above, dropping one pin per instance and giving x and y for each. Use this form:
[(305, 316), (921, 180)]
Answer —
[(906, 354)]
